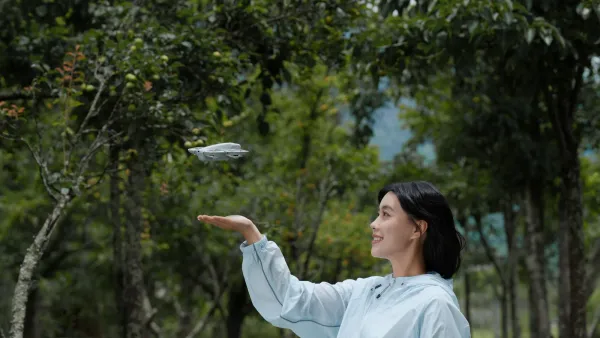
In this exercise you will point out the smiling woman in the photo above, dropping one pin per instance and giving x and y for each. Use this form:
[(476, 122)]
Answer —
[(419, 225), (414, 231)]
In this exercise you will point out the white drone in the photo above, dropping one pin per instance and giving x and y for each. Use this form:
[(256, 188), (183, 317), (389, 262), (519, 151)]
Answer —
[(219, 152)]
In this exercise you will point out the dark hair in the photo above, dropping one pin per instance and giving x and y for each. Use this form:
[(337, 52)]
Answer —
[(443, 243)]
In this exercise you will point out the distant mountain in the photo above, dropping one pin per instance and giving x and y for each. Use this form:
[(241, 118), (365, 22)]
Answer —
[(388, 133), (390, 136)]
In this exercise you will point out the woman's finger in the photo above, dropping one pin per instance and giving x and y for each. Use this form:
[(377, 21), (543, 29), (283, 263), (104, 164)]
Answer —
[(207, 219), (224, 222), (218, 221), (215, 220)]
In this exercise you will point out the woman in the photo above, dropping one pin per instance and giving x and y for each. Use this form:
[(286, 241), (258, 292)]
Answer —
[(414, 231)]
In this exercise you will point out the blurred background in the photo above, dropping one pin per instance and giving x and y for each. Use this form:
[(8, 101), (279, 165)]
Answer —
[(495, 102)]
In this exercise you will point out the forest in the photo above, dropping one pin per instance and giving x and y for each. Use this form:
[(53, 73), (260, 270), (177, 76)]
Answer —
[(497, 103)]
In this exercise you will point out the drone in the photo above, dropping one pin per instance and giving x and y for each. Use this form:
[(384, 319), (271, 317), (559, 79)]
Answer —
[(219, 152)]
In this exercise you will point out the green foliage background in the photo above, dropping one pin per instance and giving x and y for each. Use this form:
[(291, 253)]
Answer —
[(98, 97)]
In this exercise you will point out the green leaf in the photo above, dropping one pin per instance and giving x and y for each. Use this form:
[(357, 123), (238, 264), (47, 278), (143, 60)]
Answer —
[(509, 3), (473, 26), (546, 36), (211, 103), (41, 10), (74, 103), (529, 35), (508, 17)]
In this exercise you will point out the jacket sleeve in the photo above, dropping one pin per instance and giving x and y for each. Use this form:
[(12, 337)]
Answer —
[(308, 309), (442, 319)]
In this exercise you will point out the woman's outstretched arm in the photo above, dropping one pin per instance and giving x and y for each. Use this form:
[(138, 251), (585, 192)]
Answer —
[(308, 309)]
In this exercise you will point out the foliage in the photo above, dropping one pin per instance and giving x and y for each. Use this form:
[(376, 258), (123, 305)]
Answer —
[(152, 79)]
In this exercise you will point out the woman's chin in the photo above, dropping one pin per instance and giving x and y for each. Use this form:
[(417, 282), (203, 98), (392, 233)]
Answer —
[(375, 253)]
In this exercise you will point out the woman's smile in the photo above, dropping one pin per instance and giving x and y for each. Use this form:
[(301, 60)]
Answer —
[(376, 239)]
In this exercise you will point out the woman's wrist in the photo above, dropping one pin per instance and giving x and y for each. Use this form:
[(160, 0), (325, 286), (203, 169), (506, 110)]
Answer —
[(252, 235)]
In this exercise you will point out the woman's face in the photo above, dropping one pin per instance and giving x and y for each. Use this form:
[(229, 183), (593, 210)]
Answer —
[(393, 229)]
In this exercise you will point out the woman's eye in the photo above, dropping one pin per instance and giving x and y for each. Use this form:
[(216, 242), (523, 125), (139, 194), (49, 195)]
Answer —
[(386, 214)]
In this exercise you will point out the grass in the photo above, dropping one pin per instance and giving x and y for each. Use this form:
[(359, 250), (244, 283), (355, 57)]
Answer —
[(488, 333)]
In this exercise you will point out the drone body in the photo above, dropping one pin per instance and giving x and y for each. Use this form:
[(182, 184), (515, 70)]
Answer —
[(219, 152)]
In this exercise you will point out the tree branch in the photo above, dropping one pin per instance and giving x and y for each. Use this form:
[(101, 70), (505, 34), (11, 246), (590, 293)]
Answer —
[(83, 164), (150, 313), (553, 114), (101, 176), (273, 19), (93, 111), (42, 166), (200, 325), (326, 186), (216, 281), (592, 268), (25, 95), (594, 323), (488, 249)]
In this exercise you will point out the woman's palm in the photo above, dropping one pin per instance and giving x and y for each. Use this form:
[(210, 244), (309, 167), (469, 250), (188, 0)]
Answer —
[(233, 222)]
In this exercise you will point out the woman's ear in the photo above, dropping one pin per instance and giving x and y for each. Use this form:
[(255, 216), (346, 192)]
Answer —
[(420, 228)]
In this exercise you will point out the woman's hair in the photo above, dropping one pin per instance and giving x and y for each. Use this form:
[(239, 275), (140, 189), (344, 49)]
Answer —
[(443, 243)]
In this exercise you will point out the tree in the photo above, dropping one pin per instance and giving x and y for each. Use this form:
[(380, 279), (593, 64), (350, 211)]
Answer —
[(164, 77), (64, 180), (523, 41), (499, 136)]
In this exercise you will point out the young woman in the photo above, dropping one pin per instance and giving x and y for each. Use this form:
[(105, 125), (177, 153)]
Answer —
[(414, 231)]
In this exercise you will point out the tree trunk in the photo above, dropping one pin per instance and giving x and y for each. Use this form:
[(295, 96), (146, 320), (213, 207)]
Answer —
[(238, 297), (118, 260), (504, 312), (561, 100), (467, 296), (134, 283), (467, 277), (501, 295), (512, 280), (535, 257), (533, 315), (512, 296), (337, 271), (564, 298), (50, 262), (573, 221), (32, 329), (30, 263)]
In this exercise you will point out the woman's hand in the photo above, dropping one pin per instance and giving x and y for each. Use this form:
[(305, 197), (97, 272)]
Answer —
[(234, 222), (237, 223)]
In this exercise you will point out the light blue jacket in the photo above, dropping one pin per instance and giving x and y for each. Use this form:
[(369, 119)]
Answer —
[(421, 306)]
